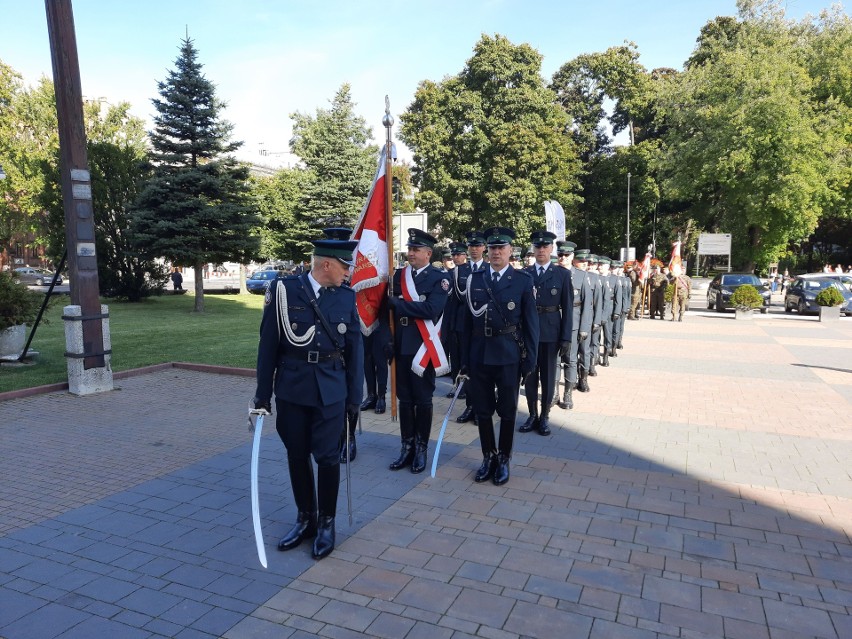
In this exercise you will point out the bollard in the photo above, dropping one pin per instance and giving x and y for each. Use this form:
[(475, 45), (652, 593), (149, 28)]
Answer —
[(83, 381)]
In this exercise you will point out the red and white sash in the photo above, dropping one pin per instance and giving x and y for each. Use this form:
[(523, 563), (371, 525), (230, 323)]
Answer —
[(431, 350)]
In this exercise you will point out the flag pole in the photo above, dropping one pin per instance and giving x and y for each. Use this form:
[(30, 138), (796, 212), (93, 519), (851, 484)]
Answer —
[(387, 121)]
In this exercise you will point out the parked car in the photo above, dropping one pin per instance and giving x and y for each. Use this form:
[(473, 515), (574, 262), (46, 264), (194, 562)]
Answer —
[(37, 276), (260, 280), (844, 278), (724, 284), (802, 292)]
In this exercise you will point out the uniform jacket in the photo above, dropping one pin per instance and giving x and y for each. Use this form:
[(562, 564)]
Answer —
[(583, 301), (598, 297), (553, 290), (285, 366), (433, 287), (514, 294), (658, 281), (608, 292), (617, 292), (458, 278), (626, 289)]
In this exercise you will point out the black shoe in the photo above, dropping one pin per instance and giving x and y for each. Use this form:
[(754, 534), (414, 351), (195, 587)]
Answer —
[(486, 471), (406, 456), (593, 372), (612, 352), (543, 426), (369, 402), (353, 450), (304, 528), (605, 360), (563, 401), (527, 426), (620, 345), (324, 543), (466, 415), (380, 405), (450, 395), (583, 383), (463, 395), (501, 472), (568, 399)]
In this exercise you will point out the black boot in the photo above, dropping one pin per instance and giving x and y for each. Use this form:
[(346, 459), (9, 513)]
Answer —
[(501, 471), (369, 402), (566, 397), (612, 352), (304, 528), (605, 359), (324, 543), (486, 471), (422, 429), (544, 425), (620, 345), (380, 405), (563, 401), (406, 432), (532, 422), (583, 381), (466, 415)]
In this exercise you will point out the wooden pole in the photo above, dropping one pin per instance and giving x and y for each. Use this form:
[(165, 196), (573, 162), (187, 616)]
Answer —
[(387, 121), (75, 179)]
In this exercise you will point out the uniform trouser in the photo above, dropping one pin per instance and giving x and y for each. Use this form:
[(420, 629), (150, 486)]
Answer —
[(618, 330), (306, 431), (413, 388), (584, 351), (495, 388), (658, 302), (635, 301), (545, 373), (375, 366), (595, 348), (680, 303), (571, 370), (606, 329), (455, 360)]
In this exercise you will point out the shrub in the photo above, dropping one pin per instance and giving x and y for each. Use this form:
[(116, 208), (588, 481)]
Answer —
[(746, 298), (829, 297), (18, 304)]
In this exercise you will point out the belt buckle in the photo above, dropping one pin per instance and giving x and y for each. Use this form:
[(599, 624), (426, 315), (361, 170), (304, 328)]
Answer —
[(403, 321), (313, 357), (488, 332)]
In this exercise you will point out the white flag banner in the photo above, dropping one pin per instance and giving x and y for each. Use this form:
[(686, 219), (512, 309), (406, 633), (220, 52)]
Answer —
[(554, 217)]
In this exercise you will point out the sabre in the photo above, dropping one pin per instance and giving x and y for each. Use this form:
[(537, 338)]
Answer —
[(459, 384), (255, 501), (349, 464)]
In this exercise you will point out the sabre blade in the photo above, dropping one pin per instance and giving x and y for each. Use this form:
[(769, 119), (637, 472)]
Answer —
[(459, 385), (255, 500)]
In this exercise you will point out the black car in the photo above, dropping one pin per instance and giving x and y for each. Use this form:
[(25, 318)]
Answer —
[(723, 286), (260, 280), (802, 292)]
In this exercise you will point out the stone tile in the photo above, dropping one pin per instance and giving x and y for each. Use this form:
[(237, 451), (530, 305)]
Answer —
[(378, 583), (796, 618), (346, 615), (389, 626), (332, 572), (531, 620), (428, 595), (533, 563), (670, 591)]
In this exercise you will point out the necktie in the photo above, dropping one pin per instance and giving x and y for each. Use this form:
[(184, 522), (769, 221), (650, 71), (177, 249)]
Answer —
[(320, 291), (495, 277), (540, 271)]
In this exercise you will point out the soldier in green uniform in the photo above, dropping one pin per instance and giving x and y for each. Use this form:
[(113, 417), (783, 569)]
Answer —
[(636, 287), (658, 283), (680, 299)]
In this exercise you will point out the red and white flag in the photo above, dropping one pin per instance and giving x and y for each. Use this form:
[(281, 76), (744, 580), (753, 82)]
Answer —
[(675, 265), (646, 268), (370, 276)]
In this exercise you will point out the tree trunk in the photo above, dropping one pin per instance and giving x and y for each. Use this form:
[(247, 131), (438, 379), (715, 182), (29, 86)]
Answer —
[(199, 288), (243, 289)]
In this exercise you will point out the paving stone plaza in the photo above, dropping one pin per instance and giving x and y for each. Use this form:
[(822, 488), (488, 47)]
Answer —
[(702, 489)]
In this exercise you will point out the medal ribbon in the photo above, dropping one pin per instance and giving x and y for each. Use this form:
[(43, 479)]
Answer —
[(431, 350)]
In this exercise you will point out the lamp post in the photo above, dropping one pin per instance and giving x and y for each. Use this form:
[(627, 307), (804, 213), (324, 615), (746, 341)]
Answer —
[(2, 173), (627, 234)]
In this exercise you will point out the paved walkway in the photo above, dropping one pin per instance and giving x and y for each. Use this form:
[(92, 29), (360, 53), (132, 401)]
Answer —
[(702, 489)]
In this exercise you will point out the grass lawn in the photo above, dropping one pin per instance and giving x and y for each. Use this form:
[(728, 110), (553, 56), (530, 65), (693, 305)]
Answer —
[(156, 330)]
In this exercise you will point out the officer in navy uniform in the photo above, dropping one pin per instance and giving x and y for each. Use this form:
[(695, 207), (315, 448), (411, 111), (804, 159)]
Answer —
[(310, 351), (501, 327), (475, 250), (581, 324), (414, 391), (609, 305), (597, 322), (554, 299), (624, 285)]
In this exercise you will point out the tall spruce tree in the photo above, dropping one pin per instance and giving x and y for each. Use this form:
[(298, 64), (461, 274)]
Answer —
[(196, 208)]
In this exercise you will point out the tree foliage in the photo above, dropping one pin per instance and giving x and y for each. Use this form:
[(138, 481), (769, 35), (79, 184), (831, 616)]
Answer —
[(747, 146), (285, 234), (490, 144), (339, 162), (196, 207)]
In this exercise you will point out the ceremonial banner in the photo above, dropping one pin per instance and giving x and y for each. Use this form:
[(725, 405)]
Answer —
[(675, 266), (370, 276), (554, 217), (646, 267)]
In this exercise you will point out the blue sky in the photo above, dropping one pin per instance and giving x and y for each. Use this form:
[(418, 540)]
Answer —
[(270, 58)]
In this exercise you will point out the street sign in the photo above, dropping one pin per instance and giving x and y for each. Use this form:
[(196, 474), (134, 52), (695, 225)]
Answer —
[(714, 243)]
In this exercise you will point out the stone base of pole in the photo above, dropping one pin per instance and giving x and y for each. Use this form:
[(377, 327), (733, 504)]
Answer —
[(83, 381)]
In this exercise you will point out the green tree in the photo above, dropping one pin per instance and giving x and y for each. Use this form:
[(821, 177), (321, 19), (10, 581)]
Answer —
[(340, 164), (197, 207), (284, 234), (746, 145), (490, 144)]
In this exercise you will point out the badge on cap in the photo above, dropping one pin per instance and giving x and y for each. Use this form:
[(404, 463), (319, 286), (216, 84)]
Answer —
[(341, 328), (511, 306)]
